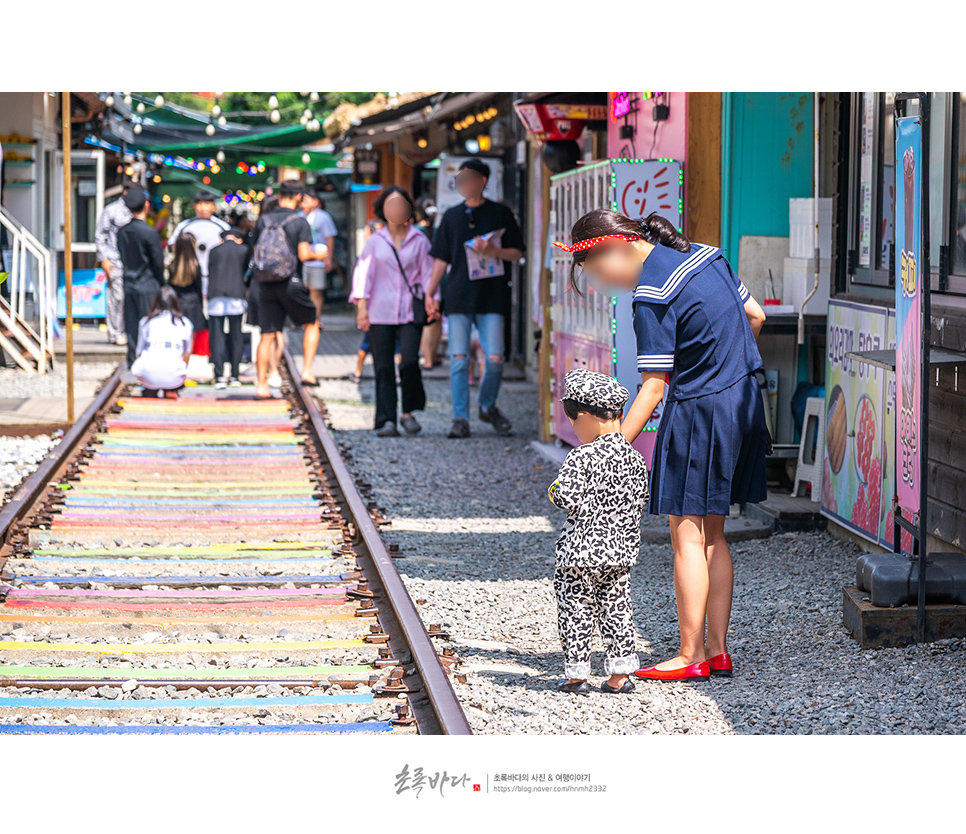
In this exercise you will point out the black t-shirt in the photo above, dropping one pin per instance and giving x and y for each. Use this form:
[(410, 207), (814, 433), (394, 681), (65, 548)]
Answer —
[(227, 264), (486, 295), (140, 249), (296, 231)]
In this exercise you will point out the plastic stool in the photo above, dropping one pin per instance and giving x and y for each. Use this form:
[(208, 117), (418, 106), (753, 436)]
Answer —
[(811, 449)]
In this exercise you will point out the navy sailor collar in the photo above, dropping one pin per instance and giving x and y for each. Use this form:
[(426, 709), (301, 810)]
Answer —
[(666, 271)]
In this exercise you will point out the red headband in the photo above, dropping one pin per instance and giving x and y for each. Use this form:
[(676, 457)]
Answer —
[(591, 242)]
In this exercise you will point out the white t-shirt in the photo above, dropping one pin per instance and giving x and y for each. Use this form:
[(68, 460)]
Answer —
[(162, 344), (207, 234)]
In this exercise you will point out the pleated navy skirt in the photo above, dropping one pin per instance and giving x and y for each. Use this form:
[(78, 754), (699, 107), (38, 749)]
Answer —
[(710, 453)]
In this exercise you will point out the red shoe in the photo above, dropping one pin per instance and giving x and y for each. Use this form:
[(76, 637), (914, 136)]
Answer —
[(694, 672), (721, 665)]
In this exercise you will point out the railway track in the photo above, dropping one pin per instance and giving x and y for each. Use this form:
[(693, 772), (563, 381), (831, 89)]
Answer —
[(207, 565)]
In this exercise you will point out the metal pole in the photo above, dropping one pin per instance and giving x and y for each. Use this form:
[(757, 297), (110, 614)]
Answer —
[(68, 261), (926, 278)]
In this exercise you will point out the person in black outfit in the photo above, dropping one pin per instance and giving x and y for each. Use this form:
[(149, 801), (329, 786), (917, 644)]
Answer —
[(140, 249), (481, 298), (227, 264), (290, 296)]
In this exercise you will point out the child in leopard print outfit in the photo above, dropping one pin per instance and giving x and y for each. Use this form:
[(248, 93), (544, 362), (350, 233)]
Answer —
[(603, 487)]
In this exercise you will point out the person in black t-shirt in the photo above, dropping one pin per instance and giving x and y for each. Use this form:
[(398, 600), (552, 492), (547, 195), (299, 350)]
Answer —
[(139, 248), (227, 264), (476, 291), (276, 299)]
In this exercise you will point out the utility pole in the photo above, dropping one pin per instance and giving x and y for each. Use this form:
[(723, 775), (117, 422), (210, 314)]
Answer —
[(68, 259)]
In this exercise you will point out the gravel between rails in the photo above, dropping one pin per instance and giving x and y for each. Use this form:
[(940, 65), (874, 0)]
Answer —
[(474, 522)]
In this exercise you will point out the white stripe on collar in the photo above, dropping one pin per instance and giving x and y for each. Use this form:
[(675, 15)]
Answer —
[(701, 253)]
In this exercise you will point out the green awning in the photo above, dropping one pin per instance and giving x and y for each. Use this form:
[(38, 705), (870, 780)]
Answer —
[(291, 136)]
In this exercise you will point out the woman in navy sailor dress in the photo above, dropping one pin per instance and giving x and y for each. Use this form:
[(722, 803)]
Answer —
[(696, 326)]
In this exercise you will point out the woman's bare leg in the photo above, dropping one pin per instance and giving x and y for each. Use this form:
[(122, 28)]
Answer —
[(721, 585), (690, 588)]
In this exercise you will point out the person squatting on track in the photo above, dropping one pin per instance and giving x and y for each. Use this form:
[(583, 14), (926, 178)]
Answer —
[(140, 250), (163, 347), (696, 321), (603, 487), (227, 264)]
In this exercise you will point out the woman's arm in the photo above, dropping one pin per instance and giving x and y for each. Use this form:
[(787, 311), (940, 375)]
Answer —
[(756, 316), (652, 390)]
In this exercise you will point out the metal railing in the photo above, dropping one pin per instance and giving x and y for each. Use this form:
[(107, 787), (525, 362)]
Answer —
[(31, 263)]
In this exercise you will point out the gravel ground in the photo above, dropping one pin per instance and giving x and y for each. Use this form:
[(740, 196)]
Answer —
[(19, 457), (16, 384), (477, 530)]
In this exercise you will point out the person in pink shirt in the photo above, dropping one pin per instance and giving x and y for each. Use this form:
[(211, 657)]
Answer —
[(388, 283)]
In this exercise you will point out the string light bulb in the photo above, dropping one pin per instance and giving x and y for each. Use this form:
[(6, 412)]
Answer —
[(210, 129), (109, 100), (307, 113), (273, 102), (222, 120), (127, 98), (157, 178), (216, 110), (275, 116), (220, 156), (304, 120), (141, 108), (137, 128), (306, 158), (159, 100), (313, 97), (314, 125)]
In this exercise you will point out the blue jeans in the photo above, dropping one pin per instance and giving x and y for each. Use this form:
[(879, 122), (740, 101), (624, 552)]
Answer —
[(490, 326)]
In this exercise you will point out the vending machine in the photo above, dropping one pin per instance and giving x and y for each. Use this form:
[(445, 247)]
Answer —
[(595, 331)]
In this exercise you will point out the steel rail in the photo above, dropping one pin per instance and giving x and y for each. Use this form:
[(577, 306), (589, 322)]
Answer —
[(33, 487), (440, 711)]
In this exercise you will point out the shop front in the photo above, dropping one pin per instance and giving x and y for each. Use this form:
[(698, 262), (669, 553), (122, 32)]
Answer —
[(860, 446)]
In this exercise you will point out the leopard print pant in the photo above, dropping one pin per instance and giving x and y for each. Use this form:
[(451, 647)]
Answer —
[(601, 596)]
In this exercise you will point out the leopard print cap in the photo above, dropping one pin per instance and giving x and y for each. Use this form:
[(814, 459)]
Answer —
[(594, 389)]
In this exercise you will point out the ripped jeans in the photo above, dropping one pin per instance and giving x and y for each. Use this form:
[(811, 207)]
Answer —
[(490, 326)]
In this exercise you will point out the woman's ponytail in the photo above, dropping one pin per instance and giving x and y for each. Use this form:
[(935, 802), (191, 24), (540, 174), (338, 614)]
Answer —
[(657, 229)]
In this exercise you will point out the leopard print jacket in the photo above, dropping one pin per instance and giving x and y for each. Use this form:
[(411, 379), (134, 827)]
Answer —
[(603, 487)]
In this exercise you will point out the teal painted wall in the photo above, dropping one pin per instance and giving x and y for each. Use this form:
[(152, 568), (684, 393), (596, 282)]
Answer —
[(766, 158)]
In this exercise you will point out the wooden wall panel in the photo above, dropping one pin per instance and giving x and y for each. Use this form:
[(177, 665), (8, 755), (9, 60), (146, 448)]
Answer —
[(703, 169)]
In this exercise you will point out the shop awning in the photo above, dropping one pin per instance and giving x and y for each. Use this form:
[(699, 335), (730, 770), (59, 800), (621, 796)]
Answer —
[(386, 125)]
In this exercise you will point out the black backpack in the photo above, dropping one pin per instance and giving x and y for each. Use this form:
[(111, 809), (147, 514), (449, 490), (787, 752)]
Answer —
[(273, 259)]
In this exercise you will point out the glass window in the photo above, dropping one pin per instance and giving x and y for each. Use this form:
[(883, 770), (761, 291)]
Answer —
[(873, 174), (957, 248)]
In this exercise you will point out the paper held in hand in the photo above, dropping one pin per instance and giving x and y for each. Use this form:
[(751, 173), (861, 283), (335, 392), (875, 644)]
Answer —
[(479, 266)]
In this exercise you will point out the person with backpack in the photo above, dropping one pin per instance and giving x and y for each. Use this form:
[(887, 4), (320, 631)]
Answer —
[(283, 242)]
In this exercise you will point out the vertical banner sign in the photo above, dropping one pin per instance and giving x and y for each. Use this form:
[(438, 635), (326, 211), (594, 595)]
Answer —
[(909, 301)]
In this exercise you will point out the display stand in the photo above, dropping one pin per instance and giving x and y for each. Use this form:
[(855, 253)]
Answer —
[(890, 580)]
